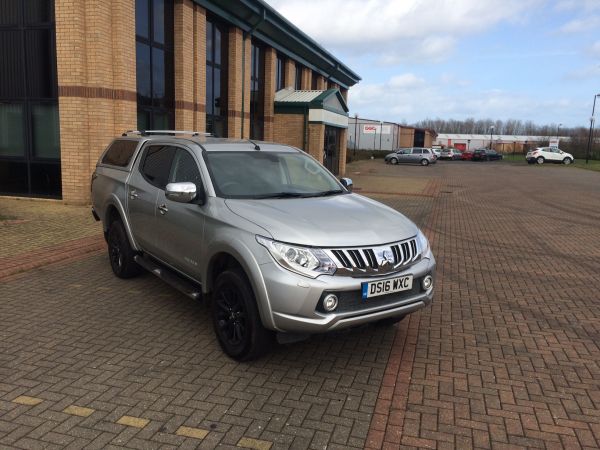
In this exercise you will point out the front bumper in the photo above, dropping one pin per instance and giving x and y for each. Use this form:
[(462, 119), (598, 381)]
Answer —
[(295, 301)]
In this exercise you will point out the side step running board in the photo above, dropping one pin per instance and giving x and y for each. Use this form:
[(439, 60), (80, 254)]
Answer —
[(183, 285)]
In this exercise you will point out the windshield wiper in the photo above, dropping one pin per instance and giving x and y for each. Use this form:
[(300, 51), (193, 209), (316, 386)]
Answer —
[(281, 195), (326, 193)]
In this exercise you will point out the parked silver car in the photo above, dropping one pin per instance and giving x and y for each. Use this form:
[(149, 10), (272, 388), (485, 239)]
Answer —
[(414, 155), (274, 243)]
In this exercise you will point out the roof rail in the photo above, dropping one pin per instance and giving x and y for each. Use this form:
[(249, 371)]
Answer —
[(165, 132)]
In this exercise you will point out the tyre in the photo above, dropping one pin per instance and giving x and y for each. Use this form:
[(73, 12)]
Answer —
[(236, 318), (393, 161), (540, 160), (389, 321), (120, 252), (567, 161), (424, 162)]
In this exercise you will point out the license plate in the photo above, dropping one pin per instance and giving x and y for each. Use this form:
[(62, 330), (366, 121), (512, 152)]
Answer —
[(383, 287)]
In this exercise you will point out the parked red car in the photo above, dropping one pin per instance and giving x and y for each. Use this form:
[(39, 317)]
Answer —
[(467, 155)]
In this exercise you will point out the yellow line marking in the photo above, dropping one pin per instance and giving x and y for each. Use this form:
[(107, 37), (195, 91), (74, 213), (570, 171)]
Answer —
[(75, 410), (196, 433), (26, 400), (130, 421), (255, 444)]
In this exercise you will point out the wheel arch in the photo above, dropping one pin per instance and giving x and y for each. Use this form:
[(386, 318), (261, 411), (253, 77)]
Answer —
[(114, 210)]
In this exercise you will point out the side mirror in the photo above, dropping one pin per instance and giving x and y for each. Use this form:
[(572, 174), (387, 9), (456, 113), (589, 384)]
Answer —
[(347, 183), (181, 192)]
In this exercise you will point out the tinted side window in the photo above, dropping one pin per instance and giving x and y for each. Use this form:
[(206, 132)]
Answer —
[(426, 151), (120, 153), (156, 165), (185, 169), (416, 151)]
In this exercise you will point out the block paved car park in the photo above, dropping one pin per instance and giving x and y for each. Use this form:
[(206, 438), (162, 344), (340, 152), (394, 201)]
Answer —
[(507, 355)]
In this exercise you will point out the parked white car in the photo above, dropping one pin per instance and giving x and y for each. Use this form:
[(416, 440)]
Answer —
[(540, 155)]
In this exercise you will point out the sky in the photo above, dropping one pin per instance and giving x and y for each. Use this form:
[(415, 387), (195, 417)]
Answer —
[(533, 60)]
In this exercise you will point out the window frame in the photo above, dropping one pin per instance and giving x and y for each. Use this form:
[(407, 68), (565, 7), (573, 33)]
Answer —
[(223, 68), (168, 49)]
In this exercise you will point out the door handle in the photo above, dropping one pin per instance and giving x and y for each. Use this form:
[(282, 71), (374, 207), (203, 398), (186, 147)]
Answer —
[(163, 209), (133, 194)]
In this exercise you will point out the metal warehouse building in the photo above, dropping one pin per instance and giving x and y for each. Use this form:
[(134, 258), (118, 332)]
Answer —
[(75, 73), (367, 134)]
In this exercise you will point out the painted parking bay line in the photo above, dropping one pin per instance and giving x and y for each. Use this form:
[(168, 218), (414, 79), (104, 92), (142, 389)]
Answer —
[(255, 444), (80, 411), (130, 421), (26, 400), (196, 433)]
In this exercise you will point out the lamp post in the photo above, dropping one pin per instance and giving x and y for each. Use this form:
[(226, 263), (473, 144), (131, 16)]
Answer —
[(380, 134), (587, 154), (557, 129), (355, 132), (491, 133), (468, 144)]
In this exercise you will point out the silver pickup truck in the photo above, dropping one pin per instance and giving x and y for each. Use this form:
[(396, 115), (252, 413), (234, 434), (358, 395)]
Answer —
[(276, 245)]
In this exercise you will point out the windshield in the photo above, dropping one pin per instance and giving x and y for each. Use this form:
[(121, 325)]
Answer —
[(260, 174)]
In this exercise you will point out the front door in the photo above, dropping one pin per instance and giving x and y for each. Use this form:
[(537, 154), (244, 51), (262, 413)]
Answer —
[(331, 150)]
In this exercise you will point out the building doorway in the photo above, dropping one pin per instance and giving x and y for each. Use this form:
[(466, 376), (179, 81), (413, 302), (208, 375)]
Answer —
[(419, 140), (332, 149)]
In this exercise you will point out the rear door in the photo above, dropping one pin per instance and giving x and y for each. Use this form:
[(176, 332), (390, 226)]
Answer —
[(416, 155), (147, 179)]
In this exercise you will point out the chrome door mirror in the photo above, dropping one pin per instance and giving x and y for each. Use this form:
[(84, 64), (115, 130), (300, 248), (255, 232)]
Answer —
[(347, 183), (181, 192)]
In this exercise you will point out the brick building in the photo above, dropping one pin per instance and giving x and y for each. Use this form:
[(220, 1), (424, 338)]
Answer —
[(75, 73)]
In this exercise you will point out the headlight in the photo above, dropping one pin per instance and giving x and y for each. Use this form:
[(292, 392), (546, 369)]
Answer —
[(422, 243), (310, 262)]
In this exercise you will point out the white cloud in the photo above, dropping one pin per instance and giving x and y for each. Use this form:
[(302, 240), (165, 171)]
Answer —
[(399, 30), (594, 50), (406, 81), (581, 25), (388, 101), (577, 5)]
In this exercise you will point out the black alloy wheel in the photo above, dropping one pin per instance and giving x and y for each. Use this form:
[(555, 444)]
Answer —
[(120, 253), (236, 318)]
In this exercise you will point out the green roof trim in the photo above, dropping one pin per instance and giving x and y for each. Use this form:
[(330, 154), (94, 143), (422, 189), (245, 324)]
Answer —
[(322, 101), (267, 25)]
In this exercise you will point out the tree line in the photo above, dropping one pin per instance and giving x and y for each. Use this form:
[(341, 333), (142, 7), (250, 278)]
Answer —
[(511, 126)]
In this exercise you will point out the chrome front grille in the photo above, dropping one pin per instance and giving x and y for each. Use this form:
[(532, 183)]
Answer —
[(372, 261)]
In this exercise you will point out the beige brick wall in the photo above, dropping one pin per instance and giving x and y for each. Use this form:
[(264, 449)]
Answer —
[(306, 78), (289, 129), (247, 73), (234, 85), (269, 90), (95, 47), (316, 140), (184, 64), (321, 83), (290, 73), (407, 137), (343, 151), (199, 69)]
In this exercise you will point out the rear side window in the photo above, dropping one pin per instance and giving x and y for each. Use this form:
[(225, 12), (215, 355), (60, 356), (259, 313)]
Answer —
[(119, 153), (156, 165), (416, 151)]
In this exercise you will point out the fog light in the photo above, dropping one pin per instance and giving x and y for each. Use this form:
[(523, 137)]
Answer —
[(427, 282), (330, 302)]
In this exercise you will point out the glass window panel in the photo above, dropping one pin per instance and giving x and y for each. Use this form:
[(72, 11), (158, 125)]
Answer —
[(44, 128), (13, 177), (40, 63), (169, 80), (12, 142), (10, 12), (158, 12), (217, 100), (158, 76), (143, 74), (143, 120), (120, 153), (39, 11), (157, 165), (161, 121), (185, 169), (217, 45), (45, 179), (209, 41), (210, 93), (142, 18), (12, 76)]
